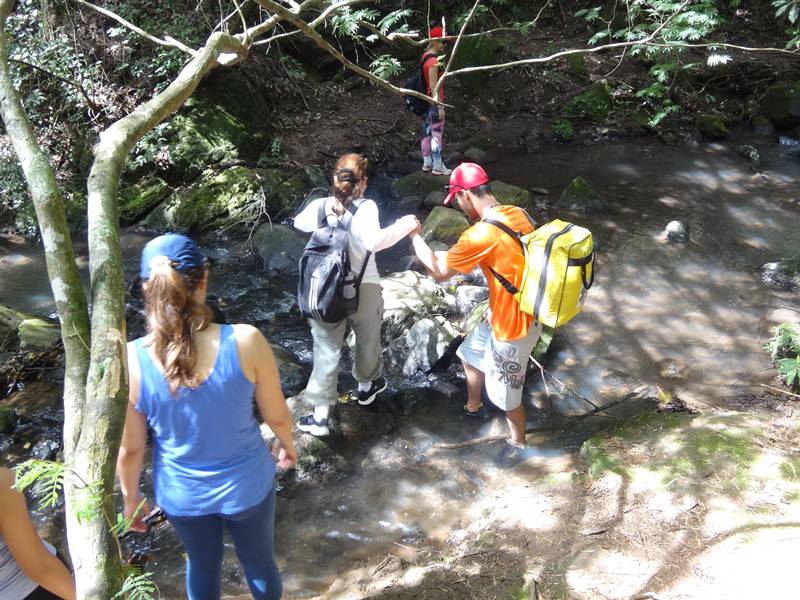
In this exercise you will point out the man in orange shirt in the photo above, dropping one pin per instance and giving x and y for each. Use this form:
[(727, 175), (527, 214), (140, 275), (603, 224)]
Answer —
[(497, 351)]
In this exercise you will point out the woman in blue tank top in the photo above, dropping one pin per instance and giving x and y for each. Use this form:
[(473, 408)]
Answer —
[(193, 382)]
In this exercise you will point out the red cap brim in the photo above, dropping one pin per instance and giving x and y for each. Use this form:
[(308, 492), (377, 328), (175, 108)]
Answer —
[(449, 198)]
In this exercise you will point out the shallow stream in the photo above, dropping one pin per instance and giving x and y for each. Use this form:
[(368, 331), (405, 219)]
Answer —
[(690, 319)]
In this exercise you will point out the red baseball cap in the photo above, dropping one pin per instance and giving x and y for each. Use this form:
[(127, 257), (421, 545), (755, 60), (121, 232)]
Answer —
[(437, 32), (464, 177)]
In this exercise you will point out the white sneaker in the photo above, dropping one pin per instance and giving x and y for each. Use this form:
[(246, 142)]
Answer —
[(441, 170)]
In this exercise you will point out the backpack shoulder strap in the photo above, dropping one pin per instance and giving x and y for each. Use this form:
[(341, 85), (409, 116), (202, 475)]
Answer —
[(322, 217), (509, 287)]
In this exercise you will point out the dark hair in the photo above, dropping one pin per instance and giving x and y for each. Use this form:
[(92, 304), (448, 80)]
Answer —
[(349, 178), (173, 317), (482, 191)]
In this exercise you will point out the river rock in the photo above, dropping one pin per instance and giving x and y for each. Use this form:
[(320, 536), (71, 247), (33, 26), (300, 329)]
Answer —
[(408, 204), (221, 199), (316, 178), (783, 273), (763, 126), (8, 420), (293, 373), (279, 247), (418, 183), (467, 296), (19, 329), (581, 197), (781, 104), (45, 449), (511, 194), (476, 155), (434, 199), (9, 326), (136, 201), (422, 345), (751, 154), (711, 127), (407, 297), (265, 304), (444, 225), (677, 232), (6, 441)]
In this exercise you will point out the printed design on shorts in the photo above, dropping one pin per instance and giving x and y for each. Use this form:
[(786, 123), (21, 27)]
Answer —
[(508, 370)]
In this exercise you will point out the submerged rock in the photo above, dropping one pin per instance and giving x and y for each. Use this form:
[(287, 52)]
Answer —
[(783, 273), (676, 231), (580, 196), (444, 225), (434, 199), (511, 194), (712, 127), (751, 154), (422, 345), (476, 155), (293, 373), (781, 104), (279, 246)]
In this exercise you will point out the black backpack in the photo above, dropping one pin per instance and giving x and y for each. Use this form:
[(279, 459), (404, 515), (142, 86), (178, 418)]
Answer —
[(416, 82), (326, 291)]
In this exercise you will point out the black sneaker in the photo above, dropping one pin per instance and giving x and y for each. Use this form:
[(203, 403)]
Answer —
[(311, 426), (365, 398)]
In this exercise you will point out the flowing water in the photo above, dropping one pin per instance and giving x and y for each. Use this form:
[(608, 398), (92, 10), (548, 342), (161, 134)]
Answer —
[(689, 318)]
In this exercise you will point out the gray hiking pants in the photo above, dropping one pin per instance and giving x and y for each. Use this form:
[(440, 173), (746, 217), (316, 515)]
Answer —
[(328, 339)]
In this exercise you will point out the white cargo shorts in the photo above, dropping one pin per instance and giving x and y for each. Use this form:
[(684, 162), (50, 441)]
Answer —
[(503, 363)]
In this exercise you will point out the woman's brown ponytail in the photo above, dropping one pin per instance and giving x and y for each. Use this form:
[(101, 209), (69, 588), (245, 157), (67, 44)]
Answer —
[(173, 317), (349, 178)]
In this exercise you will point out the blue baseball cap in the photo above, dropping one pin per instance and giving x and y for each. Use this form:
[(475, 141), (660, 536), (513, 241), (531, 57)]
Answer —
[(179, 249)]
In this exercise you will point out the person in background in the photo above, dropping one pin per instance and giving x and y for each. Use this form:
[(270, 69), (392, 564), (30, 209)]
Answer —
[(29, 568), (496, 353), (193, 382), (348, 206), (433, 120)]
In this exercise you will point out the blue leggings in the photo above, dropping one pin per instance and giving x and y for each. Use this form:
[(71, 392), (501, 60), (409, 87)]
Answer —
[(252, 537)]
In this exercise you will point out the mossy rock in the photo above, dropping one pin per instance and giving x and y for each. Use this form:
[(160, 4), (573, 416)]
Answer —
[(230, 89), (577, 66), (418, 183), (38, 333), (781, 104), (581, 197), (593, 104), (482, 141), (9, 328), (444, 225), (214, 201), (8, 420), (283, 191), (783, 273), (204, 134), (562, 129), (511, 194), (136, 201), (711, 127), (476, 52)]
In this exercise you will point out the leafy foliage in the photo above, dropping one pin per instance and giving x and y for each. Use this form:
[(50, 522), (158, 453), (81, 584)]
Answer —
[(49, 473), (784, 347), (789, 369), (138, 585), (386, 66)]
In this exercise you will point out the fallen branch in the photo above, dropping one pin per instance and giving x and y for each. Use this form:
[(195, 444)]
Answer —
[(792, 394)]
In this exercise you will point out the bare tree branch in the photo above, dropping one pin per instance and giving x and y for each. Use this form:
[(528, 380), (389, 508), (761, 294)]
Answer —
[(437, 87), (784, 51), (167, 41), (323, 16)]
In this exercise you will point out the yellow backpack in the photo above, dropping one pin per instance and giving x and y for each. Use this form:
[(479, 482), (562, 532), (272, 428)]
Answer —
[(559, 270)]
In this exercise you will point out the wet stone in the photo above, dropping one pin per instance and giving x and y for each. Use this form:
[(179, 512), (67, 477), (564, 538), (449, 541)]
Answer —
[(6, 441), (467, 296), (783, 273), (8, 419), (45, 449), (677, 232)]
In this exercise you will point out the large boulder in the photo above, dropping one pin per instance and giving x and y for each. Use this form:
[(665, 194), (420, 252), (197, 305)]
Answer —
[(467, 296), (278, 246), (293, 373), (444, 225), (418, 183), (136, 201), (409, 296), (422, 345), (220, 199), (781, 105), (783, 273), (474, 52), (711, 127), (8, 420), (511, 194), (579, 196), (21, 330)]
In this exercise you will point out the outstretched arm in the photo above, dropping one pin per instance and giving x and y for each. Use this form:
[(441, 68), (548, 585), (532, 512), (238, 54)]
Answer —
[(25, 545), (435, 262)]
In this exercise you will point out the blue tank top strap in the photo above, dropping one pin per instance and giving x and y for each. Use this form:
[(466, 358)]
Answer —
[(227, 363)]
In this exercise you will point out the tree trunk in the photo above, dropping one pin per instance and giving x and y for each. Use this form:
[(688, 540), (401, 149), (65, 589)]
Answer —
[(107, 385), (61, 266)]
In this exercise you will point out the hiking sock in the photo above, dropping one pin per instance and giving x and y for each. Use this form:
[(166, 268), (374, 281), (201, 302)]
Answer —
[(427, 163), (321, 413)]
